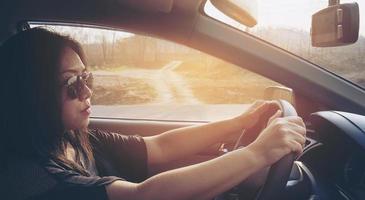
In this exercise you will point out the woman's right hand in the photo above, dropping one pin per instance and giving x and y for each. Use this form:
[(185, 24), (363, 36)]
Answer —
[(282, 136)]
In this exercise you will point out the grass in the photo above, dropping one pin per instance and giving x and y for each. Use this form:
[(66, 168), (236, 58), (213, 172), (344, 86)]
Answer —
[(215, 83), (222, 83), (122, 91)]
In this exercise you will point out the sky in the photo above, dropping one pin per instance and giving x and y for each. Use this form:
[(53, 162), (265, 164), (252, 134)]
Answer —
[(287, 13)]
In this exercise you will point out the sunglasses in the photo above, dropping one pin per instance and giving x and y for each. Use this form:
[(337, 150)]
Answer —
[(76, 84)]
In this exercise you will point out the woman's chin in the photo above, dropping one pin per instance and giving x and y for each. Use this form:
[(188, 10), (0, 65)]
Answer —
[(85, 124)]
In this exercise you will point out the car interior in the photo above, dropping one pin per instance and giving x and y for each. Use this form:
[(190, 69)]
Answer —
[(332, 165)]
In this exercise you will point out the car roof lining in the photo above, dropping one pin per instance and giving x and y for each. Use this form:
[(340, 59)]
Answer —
[(149, 5), (179, 20)]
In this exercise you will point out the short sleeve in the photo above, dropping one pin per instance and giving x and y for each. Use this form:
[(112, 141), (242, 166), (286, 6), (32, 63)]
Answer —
[(74, 186), (74, 193), (119, 155), (40, 180)]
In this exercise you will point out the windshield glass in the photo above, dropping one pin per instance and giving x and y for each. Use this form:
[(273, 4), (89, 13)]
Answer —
[(287, 23)]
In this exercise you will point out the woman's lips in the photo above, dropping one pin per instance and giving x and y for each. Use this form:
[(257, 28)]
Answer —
[(87, 110)]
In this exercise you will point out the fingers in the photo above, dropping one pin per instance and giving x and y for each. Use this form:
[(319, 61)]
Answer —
[(297, 128), (291, 122), (294, 137), (274, 103), (297, 120), (253, 113), (297, 137), (257, 106), (275, 116), (282, 136), (296, 147), (262, 106), (291, 131)]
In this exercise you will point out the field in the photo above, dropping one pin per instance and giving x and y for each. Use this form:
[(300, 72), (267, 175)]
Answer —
[(178, 82)]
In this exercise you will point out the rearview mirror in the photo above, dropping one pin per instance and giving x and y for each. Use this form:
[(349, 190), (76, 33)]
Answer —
[(335, 25), (243, 11)]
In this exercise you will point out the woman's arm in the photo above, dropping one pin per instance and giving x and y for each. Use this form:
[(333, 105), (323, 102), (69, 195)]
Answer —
[(186, 141), (210, 178), (191, 181)]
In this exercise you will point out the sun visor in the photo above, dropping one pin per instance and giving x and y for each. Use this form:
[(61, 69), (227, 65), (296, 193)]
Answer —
[(164, 6)]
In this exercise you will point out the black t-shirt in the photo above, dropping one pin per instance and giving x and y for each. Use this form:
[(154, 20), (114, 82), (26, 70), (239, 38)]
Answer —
[(117, 157)]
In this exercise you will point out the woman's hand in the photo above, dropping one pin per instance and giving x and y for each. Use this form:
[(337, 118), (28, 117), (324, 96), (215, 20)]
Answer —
[(252, 115), (281, 137)]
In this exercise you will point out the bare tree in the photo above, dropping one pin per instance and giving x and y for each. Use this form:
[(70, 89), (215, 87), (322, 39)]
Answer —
[(104, 46)]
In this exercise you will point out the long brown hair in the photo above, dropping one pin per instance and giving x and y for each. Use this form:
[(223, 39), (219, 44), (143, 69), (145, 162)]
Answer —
[(31, 118)]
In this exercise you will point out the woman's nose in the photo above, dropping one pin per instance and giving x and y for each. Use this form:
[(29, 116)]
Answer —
[(86, 92)]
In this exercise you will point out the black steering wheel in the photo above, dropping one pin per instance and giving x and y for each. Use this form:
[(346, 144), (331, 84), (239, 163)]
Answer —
[(279, 172)]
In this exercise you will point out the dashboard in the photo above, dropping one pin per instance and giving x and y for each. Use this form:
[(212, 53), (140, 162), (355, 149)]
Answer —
[(332, 165)]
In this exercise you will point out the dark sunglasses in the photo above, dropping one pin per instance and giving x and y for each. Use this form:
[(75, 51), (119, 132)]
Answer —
[(76, 84)]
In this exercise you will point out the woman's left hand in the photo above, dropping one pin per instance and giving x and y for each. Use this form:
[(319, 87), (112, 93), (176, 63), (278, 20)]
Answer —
[(252, 115)]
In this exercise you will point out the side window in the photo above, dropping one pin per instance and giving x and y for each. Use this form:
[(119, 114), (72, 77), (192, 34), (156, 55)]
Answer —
[(140, 77)]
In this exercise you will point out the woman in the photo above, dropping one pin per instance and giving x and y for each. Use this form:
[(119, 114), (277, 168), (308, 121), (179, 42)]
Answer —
[(49, 153)]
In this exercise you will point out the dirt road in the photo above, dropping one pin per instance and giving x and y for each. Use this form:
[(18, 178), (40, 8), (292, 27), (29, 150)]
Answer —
[(169, 85)]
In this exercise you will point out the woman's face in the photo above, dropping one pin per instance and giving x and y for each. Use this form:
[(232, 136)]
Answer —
[(75, 112)]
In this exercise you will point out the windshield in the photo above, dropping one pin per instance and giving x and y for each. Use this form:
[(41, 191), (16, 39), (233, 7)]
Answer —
[(286, 24)]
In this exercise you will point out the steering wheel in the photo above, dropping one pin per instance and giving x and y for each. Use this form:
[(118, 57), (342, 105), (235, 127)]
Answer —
[(279, 172)]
